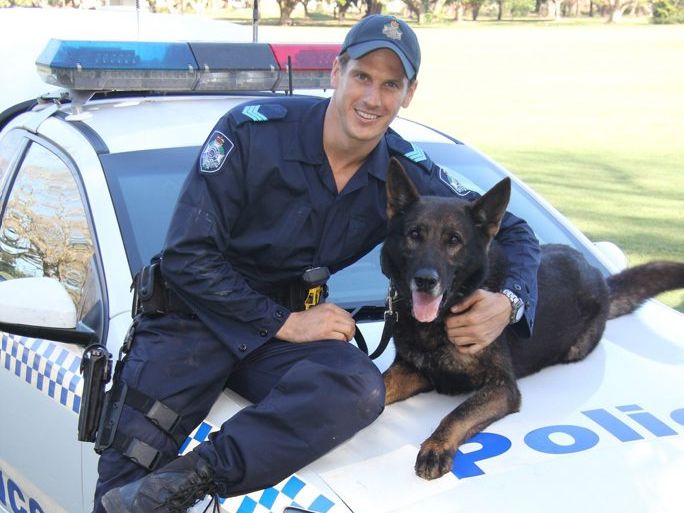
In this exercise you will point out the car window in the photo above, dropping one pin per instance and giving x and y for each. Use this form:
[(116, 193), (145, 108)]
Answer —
[(145, 186), (45, 230)]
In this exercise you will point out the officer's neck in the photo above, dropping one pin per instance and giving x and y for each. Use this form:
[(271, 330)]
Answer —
[(345, 156)]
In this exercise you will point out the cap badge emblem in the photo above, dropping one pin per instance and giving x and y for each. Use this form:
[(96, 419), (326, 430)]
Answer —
[(392, 30)]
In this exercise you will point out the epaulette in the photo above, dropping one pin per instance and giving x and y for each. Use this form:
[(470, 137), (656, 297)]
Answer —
[(258, 113), (401, 147)]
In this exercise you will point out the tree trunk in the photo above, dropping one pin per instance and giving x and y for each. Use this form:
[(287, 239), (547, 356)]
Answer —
[(458, 12)]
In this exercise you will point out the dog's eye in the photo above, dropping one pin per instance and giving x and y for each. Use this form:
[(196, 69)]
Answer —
[(455, 239), (414, 234)]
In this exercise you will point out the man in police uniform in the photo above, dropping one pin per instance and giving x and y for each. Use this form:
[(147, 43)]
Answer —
[(282, 186)]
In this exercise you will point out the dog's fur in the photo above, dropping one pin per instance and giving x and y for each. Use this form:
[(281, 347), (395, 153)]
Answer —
[(445, 248)]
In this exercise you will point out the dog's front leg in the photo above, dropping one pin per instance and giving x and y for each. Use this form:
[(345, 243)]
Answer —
[(490, 403), (403, 381)]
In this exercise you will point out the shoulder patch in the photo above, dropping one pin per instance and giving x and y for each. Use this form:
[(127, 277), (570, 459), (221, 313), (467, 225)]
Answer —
[(215, 151), (451, 181), (258, 113)]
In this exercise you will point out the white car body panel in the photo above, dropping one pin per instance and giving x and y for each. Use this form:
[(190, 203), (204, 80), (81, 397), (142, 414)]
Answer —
[(604, 434)]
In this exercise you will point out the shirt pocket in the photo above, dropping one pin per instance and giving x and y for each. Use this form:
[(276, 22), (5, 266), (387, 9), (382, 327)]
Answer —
[(290, 243)]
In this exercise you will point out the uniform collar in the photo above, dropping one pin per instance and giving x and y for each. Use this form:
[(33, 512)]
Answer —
[(306, 141)]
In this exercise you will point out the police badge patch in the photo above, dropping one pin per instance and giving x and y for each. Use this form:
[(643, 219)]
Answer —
[(452, 182), (392, 30), (214, 153)]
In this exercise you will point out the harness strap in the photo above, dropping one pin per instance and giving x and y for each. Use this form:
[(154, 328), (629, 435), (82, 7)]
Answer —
[(391, 317), (136, 450), (158, 413)]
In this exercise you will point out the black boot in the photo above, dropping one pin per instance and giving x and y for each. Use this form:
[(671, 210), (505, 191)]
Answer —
[(172, 489)]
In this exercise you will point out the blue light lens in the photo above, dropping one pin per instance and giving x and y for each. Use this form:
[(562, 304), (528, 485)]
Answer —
[(121, 55)]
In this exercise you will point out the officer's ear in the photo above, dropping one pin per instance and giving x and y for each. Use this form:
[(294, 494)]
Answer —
[(409, 93), (335, 72)]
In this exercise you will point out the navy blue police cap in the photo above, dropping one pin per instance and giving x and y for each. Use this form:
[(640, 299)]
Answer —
[(379, 31)]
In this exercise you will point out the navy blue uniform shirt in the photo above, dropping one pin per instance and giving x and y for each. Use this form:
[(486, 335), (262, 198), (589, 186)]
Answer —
[(261, 206)]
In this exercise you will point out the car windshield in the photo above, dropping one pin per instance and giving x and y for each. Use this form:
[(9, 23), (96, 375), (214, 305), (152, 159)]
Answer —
[(146, 184)]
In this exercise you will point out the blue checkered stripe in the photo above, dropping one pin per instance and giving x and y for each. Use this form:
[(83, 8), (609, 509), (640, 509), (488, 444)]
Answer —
[(54, 369), (49, 367), (293, 491)]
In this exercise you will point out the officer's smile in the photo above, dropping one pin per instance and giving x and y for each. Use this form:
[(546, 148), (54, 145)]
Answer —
[(366, 115)]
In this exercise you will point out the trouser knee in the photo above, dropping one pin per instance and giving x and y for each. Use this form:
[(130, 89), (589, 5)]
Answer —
[(354, 392)]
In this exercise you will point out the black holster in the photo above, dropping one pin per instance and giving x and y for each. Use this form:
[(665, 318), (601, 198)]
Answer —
[(96, 368), (151, 296)]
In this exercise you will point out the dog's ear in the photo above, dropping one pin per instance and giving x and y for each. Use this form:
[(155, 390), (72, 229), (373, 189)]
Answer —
[(401, 193), (488, 211)]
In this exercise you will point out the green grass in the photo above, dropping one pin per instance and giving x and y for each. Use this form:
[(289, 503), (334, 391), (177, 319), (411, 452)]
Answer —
[(590, 115)]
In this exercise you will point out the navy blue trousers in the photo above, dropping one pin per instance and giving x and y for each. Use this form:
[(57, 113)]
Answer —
[(308, 398)]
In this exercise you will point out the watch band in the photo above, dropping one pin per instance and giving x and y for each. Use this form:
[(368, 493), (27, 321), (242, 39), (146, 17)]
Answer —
[(517, 306)]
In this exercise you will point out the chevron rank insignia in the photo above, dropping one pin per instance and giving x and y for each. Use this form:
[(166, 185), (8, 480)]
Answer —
[(258, 113), (215, 151), (416, 154)]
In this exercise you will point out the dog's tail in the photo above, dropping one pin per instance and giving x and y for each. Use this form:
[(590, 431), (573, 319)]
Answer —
[(630, 288)]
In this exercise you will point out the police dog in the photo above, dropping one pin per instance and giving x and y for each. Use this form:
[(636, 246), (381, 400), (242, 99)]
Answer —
[(440, 250)]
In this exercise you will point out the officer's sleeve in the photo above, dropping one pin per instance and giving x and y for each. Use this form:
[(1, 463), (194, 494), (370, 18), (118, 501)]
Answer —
[(517, 240), (193, 262)]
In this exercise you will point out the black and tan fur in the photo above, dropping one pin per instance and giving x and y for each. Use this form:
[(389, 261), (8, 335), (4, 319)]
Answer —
[(451, 242)]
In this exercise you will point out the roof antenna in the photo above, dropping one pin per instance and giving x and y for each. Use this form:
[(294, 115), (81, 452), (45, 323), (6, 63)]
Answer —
[(255, 21), (137, 16)]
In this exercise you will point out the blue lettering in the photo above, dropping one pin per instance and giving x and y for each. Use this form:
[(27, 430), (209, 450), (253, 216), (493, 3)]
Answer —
[(34, 507), (13, 491), (539, 439), (492, 445), (678, 416), (645, 419), (613, 425), (3, 497)]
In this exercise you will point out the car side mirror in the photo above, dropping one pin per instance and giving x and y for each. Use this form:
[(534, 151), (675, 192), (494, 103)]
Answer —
[(37, 302), (614, 255)]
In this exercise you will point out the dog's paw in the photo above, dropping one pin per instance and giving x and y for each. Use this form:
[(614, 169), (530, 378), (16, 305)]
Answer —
[(434, 460)]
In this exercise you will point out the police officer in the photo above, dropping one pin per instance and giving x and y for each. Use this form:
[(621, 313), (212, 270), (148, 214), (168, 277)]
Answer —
[(282, 187)]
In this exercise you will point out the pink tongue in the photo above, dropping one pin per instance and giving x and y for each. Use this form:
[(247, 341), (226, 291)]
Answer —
[(425, 306)]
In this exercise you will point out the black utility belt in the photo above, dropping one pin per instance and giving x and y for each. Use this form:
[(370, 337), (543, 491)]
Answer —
[(152, 297)]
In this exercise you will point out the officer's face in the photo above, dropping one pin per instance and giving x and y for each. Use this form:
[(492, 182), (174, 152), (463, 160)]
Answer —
[(369, 93)]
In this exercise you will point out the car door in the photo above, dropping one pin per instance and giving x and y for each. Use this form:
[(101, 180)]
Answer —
[(47, 245)]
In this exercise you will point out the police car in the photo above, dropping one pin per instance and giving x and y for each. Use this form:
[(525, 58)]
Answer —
[(88, 180)]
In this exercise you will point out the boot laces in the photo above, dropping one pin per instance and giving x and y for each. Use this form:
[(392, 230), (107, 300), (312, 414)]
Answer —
[(199, 487), (215, 502)]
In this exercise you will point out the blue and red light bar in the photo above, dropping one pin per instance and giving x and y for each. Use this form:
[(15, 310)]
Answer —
[(185, 66)]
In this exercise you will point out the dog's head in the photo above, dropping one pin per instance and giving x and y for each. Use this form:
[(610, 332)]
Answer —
[(436, 247)]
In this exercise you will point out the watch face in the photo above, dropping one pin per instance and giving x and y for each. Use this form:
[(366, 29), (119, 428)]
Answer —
[(520, 311)]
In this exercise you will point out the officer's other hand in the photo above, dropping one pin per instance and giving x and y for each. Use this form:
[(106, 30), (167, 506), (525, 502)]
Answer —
[(322, 322), (478, 320)]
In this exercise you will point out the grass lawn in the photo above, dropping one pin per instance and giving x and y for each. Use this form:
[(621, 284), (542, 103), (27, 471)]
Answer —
[(590, 115)]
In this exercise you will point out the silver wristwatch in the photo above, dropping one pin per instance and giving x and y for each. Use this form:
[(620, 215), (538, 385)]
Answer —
[(517, 306)]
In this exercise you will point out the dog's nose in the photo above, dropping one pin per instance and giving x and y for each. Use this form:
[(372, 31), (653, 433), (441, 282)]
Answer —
[(425, 279)]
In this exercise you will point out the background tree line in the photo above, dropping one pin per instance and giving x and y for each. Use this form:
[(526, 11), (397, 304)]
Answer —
[(420, 11)]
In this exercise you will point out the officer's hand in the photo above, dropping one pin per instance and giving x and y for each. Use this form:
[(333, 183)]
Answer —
[(478, 320), (322, 322)]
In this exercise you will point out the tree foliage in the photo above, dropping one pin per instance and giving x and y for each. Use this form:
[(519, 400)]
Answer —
[(668, 11)]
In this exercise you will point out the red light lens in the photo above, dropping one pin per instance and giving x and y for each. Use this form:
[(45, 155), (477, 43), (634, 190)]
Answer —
[(306, 57)]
